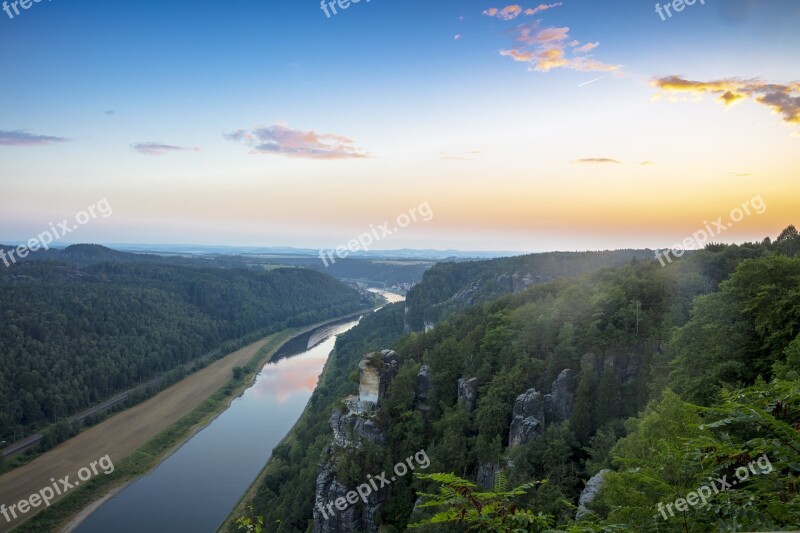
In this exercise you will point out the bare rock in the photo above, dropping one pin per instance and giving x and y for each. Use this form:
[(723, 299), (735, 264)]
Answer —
[(485, 476), (528, 418), (562, 397), (468, 392), (589, 493)]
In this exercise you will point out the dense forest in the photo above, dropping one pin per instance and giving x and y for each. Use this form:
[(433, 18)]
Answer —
[(452, 286), (680, 374), (73, 336), (372, 271)]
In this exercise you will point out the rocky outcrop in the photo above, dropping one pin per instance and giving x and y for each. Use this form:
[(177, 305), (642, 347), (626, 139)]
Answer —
[(519, 281), (361, 516), (589, 493), (533, 412), (528, 418), (561, 398), (376, 371), (422, 389), (353, 425), (485, 477), (468, 392), (466, 296)]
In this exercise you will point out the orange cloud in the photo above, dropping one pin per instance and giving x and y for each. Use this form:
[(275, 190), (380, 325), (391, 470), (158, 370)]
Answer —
[(783, 99), (550, 59), (546, 49), (507, 13), (525, 57)]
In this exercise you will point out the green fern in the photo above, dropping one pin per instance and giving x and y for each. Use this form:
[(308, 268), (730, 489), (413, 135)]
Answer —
[(458, 502)]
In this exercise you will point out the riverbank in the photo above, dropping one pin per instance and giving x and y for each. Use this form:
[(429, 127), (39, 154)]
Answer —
[(241, 508), (140, 438)]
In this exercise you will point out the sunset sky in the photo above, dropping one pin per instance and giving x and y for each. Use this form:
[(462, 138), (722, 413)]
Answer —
[(531, 127)]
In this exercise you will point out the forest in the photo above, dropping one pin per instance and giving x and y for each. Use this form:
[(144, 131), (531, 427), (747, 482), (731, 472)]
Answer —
[(76, 335), (682, 374)]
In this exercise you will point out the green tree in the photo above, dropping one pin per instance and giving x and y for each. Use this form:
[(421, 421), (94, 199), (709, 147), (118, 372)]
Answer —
[(788, 242), (584, 414)]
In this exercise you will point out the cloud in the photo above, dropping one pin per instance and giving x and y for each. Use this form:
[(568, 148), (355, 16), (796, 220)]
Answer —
[(512, 11), (586, 48), (23, 138), (782, 99), (540, 8), (548, 48), (596, 161), (469, 156), (646, 164), (282, 140), (531, 34), (524, 57), (155, 148), (111, 112)]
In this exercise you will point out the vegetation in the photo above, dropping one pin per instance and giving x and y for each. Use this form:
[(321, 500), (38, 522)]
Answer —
[(148, 456), (683, 373), (450, 287), (495, 511), (288, 482), (75, 336)]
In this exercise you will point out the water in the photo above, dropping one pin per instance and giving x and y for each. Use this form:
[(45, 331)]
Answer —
[(195, 488)]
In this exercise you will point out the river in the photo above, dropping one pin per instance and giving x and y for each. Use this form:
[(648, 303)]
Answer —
[(195, 488)]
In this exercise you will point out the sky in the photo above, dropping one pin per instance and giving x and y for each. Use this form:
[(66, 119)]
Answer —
[(572, 125)]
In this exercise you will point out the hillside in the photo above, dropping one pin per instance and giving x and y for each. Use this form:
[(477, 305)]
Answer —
[(449, 287), (537, 386), (74, 336)]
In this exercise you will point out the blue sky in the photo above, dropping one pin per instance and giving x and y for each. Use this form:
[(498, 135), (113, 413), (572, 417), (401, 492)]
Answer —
[(165, 109)]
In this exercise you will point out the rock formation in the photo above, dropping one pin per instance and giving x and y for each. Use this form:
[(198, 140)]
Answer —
[(589, 493), (468, 392), (422, 389), (561, 398), (485, 477), (528, 418), (533, 412), (354, 425)]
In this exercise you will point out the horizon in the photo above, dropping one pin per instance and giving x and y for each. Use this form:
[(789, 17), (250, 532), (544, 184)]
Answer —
[(570, 125)]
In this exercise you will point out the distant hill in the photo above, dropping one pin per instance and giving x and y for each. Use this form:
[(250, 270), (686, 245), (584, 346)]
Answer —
[(94, 322), (83, 255), (449, 287)]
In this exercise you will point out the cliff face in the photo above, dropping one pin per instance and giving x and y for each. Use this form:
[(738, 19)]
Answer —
[(532, 411), (376, 371), (354, 425), (357, 517)]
